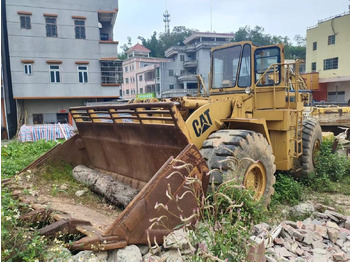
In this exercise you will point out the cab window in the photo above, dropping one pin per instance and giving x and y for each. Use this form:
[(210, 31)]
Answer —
[(264, 74), (225, 66)]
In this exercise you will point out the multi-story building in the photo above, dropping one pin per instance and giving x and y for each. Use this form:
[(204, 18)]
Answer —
[(190, 60), (327, 53), (141, 73), (61, 54)]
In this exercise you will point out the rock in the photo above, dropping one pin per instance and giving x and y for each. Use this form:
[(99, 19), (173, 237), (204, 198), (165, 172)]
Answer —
[(320, 215), (177, 239), (319, 251), (332, 225), (80, 193), (85, 256), (283, 252), (279, 241), (291, 223), (335, 214), (333, 234), (316, 222), (128, 254), (340, 256), (321, 230), (259, 228), (58, 254), (102, 255), (318, 245), (171, 256), (303, 209), (151, 258), (308, 240), (270, 259), (64, 187), (143, 249), (347, 224)]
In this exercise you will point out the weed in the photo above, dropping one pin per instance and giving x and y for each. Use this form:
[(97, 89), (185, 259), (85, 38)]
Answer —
[(287, 190)]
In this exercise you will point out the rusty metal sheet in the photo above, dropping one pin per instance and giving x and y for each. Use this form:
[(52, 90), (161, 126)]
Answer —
[(131, 226)]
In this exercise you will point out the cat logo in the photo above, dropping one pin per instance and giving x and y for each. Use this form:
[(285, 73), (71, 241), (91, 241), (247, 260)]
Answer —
[(203, 124)]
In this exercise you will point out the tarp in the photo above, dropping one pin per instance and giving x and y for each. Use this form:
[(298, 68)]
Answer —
[(47, 132)]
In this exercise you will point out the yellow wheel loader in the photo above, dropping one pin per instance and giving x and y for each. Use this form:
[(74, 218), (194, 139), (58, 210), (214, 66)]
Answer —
[(249, 124)]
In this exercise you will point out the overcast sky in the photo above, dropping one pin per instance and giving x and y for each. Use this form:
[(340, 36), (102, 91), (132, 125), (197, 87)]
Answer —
[(278, 17)]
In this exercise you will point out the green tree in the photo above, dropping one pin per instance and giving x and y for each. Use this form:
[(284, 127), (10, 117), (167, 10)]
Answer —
[(158, 44), (125, 48), (258, 37)]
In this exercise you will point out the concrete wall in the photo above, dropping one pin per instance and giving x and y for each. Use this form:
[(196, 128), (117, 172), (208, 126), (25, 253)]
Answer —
[(34, 45), (48, 106)]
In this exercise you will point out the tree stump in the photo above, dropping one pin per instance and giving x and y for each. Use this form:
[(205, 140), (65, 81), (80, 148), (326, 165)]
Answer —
[(116, 192)]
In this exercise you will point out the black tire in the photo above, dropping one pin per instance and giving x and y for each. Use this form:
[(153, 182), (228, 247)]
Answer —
[(232, 152), (312, 139)]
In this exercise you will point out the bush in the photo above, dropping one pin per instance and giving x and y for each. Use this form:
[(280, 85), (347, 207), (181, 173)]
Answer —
[(330, 165), (287, 190), (329, 168)]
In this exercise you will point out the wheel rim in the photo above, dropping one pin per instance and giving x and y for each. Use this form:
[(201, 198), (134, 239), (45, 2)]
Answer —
[(316, 148), (255, 179)]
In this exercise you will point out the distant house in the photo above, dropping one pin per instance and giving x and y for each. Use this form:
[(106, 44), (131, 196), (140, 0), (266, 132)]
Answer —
[(327, 54), (61, 54), (190, 60), (141, 73)]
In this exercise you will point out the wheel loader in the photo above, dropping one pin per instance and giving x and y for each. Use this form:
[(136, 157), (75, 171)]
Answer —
[(246, 126)]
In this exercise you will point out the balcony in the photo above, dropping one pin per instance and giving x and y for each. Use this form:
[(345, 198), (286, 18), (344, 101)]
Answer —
[(178, 92), (187, 78), (174, 50), (190, 48), (192, 63)]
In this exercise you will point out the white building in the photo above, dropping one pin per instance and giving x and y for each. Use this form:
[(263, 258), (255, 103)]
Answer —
[(61, 54)]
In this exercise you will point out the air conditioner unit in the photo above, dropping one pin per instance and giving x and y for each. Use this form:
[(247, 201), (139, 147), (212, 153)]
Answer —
[(176, 74)]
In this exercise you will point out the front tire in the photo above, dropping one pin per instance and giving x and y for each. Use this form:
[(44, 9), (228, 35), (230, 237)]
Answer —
[(243, 155)]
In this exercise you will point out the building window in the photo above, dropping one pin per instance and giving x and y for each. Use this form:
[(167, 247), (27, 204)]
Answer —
[(51, 27), (111, 72), (331, 63), (171, 86), (104, 37), (182, 58), (38, 119), (313, 66), (126, 80), (127, 91), (126, 69), (79, 29), (83, 74), (141, 90), (331, 39), (55, 74), (314, 46), (140, 77), (28, 69), (171, 72), (182, 72), (25, 22)]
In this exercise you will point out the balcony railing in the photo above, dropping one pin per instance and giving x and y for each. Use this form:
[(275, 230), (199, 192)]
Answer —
[(190, 77), (192, 63), (174, 50), (178, 92)]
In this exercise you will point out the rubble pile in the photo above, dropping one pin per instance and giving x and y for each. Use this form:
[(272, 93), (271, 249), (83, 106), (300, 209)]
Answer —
[(325, 236)]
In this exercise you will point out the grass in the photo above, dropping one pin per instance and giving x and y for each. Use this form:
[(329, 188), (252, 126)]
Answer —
[(19, 239), (227, 214)]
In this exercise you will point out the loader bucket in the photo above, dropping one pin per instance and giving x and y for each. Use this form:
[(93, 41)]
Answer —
[(145, 146)]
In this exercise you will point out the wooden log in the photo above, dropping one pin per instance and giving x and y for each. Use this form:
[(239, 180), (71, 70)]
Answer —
[(116, 192)]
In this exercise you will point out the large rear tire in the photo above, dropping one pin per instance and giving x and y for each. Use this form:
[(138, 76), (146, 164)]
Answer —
[(243, 155), (312, 138)]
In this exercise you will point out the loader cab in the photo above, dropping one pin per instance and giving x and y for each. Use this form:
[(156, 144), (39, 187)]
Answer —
[(239, 67)]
